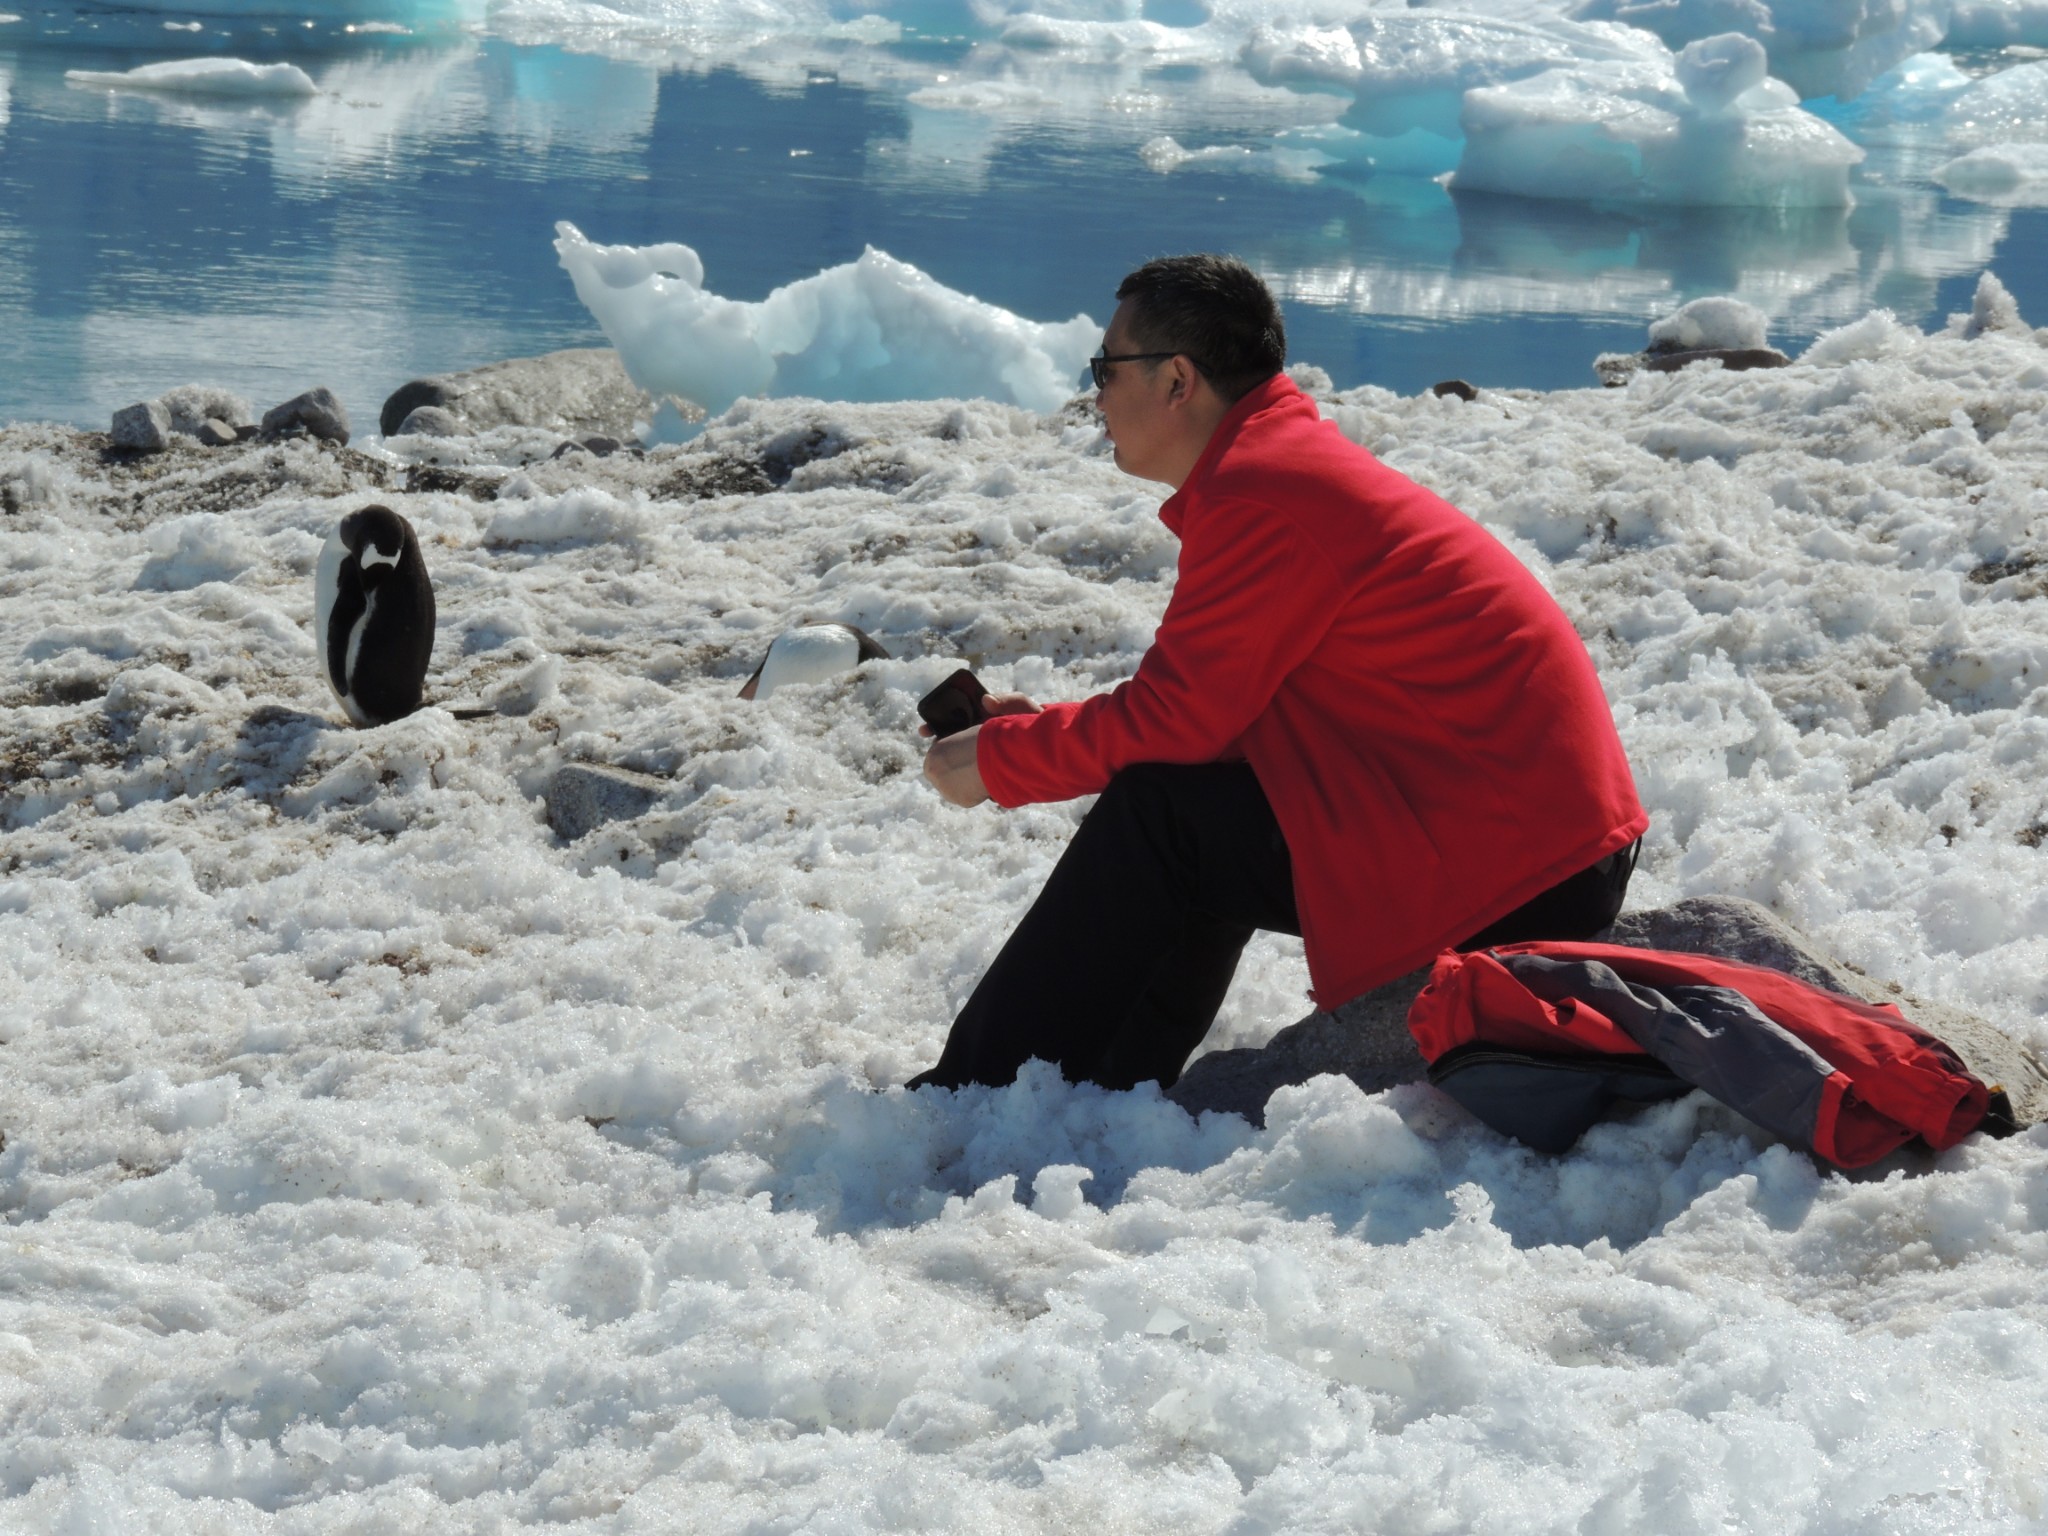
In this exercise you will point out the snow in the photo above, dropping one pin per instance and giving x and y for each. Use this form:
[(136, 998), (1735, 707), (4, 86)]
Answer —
[(374, 1160), (873, 329), (1712, 322), (203, 77), (1998, 24)]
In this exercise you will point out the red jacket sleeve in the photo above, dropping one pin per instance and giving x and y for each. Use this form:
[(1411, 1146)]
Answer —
[(1254, 597)]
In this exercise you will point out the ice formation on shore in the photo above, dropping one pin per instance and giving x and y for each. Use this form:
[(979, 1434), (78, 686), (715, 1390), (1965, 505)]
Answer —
[(376, 1160), (873, 329)]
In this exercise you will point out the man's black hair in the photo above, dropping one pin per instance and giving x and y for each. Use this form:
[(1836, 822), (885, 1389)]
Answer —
[(1215, 310)]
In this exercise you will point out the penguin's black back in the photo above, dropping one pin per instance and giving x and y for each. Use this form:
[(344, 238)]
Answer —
[(388, 678)]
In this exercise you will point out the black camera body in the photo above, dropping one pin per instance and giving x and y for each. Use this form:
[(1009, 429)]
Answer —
[(954, 705)]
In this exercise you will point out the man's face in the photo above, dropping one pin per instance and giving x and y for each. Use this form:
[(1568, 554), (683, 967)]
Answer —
[(1132, 404)]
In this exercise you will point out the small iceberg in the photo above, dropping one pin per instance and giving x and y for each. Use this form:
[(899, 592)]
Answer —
[(203, 77), (872, 329)]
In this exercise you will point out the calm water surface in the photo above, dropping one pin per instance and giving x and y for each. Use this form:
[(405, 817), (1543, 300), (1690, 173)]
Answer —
[(400, 222)]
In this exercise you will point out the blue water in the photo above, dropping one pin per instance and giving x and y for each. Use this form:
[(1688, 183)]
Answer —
[(400, 223)]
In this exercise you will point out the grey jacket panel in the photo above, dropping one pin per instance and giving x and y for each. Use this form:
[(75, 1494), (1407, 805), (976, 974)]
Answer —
[(1712, 1037)]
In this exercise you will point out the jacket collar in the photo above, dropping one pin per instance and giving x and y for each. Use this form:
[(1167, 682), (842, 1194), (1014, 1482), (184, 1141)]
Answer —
[(1279, 390)]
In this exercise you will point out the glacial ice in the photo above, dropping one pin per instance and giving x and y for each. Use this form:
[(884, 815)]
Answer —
[(1819, 47), (1711, 130), (203, 77), (1998, 24), (2011, 174), (2010, 106), (872, 329)]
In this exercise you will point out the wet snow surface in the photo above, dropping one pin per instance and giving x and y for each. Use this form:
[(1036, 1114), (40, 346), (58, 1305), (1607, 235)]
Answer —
[(375, 1161)]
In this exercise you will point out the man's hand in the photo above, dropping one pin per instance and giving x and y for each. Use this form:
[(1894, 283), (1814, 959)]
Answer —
[(950, 765)]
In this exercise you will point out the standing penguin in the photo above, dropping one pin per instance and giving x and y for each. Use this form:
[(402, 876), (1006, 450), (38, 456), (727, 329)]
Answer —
[(373, 615)]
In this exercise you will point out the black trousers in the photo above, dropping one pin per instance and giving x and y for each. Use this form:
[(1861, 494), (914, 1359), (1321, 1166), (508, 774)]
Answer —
[(1118, 969)]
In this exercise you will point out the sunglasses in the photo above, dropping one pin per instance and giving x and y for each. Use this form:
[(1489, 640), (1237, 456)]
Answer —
[(1098, 365)]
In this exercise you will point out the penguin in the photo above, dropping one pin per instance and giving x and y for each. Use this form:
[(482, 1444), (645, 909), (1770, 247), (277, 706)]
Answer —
[(810, 654), (373, 615)]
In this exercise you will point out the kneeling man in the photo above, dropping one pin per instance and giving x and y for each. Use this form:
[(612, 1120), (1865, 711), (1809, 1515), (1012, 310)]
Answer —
[(1361, 721)]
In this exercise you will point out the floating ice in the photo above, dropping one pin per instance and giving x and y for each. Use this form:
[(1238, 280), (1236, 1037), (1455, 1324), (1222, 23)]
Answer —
[(1998, 24), (1708, 131), (2012, 174), (2010, 106), (873, 329), (1166, 154), (1408, 71), (1712, 322), (203, 77), (1820, 47)]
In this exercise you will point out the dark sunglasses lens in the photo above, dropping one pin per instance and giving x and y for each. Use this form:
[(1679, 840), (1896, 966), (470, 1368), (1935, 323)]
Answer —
[(1099, 371)]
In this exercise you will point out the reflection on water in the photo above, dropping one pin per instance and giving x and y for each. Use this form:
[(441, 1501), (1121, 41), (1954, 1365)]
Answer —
[(399, 221)]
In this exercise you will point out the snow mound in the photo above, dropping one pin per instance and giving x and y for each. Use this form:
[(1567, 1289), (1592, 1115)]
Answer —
[(873, 329), (1713, 322), (203, 77)]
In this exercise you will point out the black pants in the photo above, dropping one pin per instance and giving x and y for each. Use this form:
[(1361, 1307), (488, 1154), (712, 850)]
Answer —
[(1116, 972)]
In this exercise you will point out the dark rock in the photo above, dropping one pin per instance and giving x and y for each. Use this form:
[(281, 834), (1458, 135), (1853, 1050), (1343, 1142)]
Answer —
[(216, 434), (582, 797), (1733, 359), (246, 431), (1456, 387), (431, 421), (579, 392), (1617, 368), (1367, 1039), (142, 428), (317, 413), (406, 399)]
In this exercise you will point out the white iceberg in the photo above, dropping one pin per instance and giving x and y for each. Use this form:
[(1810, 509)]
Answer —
[(1819, 47), (2012, 174), (1713, 131), (1998, 24), (872, 329), (2010, 106), (203, 77)]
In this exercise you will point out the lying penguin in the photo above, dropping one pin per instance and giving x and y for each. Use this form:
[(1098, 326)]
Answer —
[(373, 615), (810, 654)]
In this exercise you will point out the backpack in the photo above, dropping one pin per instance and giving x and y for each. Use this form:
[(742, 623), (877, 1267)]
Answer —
[(1540, 1040)]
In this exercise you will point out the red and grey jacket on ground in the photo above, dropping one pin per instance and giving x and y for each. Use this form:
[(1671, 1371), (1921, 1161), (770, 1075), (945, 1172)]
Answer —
[(1539, 1040), (1420, 712)]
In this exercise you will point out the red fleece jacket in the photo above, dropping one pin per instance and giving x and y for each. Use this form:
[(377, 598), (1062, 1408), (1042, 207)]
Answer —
[(1422, 716)]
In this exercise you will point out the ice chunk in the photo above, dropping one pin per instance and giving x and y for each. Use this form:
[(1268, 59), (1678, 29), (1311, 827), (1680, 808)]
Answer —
[(873, 329), (1408, 71), (1166, 154), (2010, 106), (203, 77), (1636, 133), (1819, 47), (1715, 322), (1992, 308), (2001, 173), (1900, 105), (1998, 24)]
